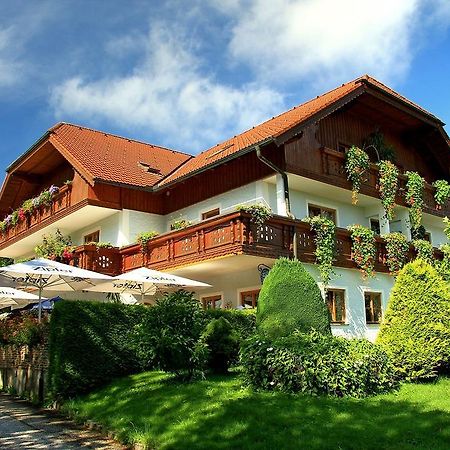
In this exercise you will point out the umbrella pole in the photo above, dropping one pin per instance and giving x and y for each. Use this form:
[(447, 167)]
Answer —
[(40, 299)]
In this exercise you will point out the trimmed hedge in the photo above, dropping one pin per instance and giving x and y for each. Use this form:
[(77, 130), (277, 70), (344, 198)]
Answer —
[(290, 300), (315, 363), (415, 331), (90, 344), (243, 321)]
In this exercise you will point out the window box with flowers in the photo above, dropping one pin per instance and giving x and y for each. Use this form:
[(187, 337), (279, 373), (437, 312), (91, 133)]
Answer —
[(34, 210)]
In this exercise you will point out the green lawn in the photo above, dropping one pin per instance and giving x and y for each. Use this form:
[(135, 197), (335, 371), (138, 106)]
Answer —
[(219, 414)]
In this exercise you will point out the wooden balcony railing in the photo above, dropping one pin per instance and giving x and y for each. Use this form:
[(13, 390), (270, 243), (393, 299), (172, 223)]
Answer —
[(333, 167), (61, 201), (103, 260), (231, 234)]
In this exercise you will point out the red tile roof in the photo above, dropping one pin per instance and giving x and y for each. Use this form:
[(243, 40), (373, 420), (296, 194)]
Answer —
[(279, 125), (115, 159)]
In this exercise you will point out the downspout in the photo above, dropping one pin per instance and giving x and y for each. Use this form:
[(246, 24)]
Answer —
[(284, 177)]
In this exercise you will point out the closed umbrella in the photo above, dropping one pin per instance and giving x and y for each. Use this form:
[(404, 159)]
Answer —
[(51, 275)]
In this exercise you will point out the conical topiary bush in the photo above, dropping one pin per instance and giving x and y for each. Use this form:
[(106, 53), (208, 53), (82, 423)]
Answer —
[(290, 300)]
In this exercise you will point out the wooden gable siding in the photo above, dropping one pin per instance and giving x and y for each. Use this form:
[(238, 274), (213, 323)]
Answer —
[(410, 150), (303, 155), (232, 175)]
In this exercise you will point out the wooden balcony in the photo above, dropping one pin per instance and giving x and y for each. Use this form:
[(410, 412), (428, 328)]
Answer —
[(333, 172), (231, 234), (40, 218)]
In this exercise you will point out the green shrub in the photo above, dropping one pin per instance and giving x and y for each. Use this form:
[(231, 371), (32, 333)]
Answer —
[(243, 321), (415, 331), (290, 300), (90, 344), (222, 342), (23, 330), (168, 338), (317, 364)]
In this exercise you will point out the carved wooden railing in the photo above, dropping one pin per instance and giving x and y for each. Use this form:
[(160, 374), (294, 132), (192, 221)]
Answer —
[(230, 234), (103, 260), (60, 202), (333, 167)]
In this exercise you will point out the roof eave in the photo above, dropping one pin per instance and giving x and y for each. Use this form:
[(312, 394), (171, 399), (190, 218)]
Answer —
[(160, 187)]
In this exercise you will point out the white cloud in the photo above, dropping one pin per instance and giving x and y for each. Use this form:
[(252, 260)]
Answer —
[(287, 39), (10, 68), (168, 95)]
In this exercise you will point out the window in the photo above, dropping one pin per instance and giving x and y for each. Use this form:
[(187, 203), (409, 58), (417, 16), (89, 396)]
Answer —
[(427, 236), (314, 210), (375, 226), (335, 299), (212, 302), (249, 299), (92, 237), (209, 214), (343, 148), (373, 307)]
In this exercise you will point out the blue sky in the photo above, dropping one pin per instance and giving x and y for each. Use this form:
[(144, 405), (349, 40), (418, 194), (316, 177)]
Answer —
[(188, 74)]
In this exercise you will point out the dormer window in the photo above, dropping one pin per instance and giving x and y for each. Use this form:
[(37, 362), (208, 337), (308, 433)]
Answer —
[(147, 168)]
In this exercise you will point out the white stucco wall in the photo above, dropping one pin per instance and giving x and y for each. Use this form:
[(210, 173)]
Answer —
[(230, 284), (109, 230), (257, 192), (122, 227), (355, 286)]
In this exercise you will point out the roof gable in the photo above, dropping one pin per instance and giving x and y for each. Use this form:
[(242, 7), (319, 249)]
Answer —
[(283, 125)]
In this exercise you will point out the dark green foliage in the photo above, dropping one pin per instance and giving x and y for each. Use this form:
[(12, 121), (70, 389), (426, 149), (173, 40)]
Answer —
[(90, 344), (290, 300), (242, 321), (168, 338), (415, 331), (318, 364), (222, 342)]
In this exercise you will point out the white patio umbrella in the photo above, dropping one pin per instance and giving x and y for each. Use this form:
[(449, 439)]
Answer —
[(51, 275), (10, 295), (145, 281)]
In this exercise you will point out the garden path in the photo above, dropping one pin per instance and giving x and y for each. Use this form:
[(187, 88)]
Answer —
[(25, 427)]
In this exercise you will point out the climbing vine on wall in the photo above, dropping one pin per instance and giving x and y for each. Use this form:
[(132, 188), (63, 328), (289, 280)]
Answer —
[(363, 249), (145, 237), (325, 240), (441, 193), (260, 213), (387, 187), (424, 250), (357, 164), (396, 251), (414, 198)]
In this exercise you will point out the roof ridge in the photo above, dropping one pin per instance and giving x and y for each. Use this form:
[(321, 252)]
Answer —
[(280, 114), (374, 81), (60, 124)]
